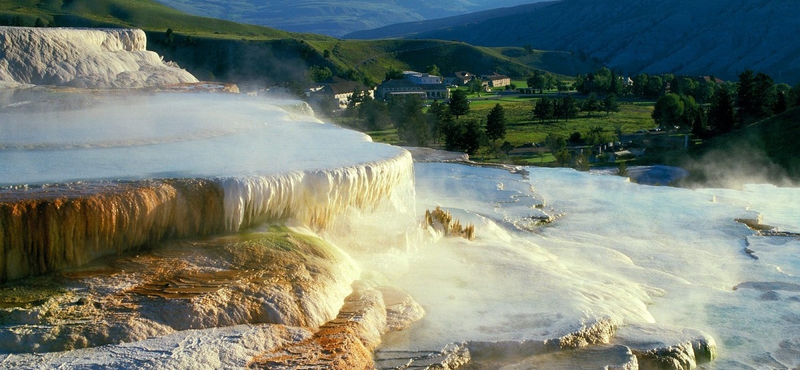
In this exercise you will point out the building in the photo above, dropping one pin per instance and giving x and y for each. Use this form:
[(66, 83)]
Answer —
[(422, 78), (410, 86), (462, 78), (339, 90), (496, 80)]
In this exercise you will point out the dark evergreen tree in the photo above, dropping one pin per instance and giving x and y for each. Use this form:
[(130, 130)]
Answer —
[(610, 104), (537, 81), (459, 104), (640, 83), (780, 103), (507, 147), (746, 98), (412, 126), (590, 104), (721, 117), (793, 100), (766, 95), (473, 136), (544, 110), (569, 107), (496, 124)]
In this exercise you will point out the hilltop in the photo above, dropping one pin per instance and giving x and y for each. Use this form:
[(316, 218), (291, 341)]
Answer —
[(330, 17), (214, 49), (684, 37)]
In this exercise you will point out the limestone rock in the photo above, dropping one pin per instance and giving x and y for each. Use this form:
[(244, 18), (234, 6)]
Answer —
[(278, 277), (346, 342), (451, 357), (666, 347), (85, 58)]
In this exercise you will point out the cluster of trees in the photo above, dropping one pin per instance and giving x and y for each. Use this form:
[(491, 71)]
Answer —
[(17, 21), (567, 107), (729, 106), (541, 81), (441, 123), (604, 81)]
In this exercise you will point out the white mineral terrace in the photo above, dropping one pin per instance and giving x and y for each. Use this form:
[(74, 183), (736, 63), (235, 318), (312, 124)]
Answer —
[(110, 58), (134, 169)]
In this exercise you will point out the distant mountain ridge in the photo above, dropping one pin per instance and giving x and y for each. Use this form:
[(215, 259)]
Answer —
[(722, 37), (413, 28), (332, 17)]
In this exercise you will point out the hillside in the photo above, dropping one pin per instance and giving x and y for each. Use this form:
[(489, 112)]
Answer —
[(766, 151), (145, 14), (678, 36), (330, 17), (411, 29), (213, 49)]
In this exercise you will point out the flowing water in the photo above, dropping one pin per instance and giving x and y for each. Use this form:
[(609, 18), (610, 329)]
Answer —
[(555, 248)]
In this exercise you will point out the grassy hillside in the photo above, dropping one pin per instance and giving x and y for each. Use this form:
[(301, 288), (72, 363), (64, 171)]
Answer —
[(375, 57), (213, 49), (765, 151), (332, 17), (685, 37), (144, 14), (410, 29)]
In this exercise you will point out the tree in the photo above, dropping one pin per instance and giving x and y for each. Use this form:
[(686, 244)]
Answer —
[(555, 143), (537, 81), (473, 136), (610, 104), (40, 23), (622, 169), (393, 74), (326, 54), (569, 107), (598, 135), (793, 99), (755, 97), (528, 49), (668, 111), (464, 136), (655, 85), (507, 147), (582, 163), (319, 74), (496, 124), (475, 86), (544, 110), (412, 126), (690, 111), (721, 116), (375, 113), (780, 103), (591, 104), (439, 120), (459, 104), (169, 37), (433, 70)]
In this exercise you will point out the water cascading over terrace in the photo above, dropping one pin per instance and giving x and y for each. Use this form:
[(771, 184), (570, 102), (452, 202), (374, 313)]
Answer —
[(114, 173)]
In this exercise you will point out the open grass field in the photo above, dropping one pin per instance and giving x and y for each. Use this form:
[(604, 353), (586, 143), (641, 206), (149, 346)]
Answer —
[(522, 128)]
